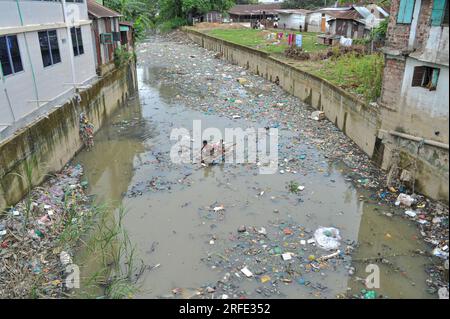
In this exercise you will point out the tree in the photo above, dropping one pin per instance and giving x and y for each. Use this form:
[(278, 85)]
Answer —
[(140, 12), (306, 4), (170, 9), (246, 1)]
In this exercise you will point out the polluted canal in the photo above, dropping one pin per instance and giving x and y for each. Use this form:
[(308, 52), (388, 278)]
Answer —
[(226, 231)]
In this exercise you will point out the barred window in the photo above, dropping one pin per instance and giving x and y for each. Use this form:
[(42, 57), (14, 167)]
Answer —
[(77, 41), (10, 59), (48, 41)]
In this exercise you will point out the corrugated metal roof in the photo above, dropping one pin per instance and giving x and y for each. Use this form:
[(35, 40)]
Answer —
[(383, 11), (247, 9), (363, 11), (293, 11), (130, 24), (98, 11), (343, 14)]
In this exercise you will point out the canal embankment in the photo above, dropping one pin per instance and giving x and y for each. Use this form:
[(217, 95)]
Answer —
[(49, 142), (369, 125)]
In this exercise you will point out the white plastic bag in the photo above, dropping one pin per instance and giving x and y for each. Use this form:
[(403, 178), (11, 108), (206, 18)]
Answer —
[(404, 199), (327, 238)]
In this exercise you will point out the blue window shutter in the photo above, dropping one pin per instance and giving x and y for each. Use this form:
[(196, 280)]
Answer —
[(438, 12), (405, 11), (401, 11)]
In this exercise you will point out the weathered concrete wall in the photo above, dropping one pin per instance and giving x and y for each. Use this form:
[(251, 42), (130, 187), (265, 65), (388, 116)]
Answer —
[(359, 121), (50, 142), (416, 110), (355, 118)]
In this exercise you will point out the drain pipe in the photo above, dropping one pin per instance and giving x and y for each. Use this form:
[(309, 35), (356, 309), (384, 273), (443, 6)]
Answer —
[(36, 92), (69, 37), (417, 139), (7, 95)]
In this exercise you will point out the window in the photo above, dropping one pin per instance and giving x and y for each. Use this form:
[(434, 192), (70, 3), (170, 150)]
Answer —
[(77, 41), (405, 11), (439, 14), (10, 59), (48, 41), (426, 77), (106, 38)]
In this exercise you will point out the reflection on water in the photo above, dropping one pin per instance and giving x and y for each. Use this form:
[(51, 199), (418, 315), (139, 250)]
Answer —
[(129, 164), (117, 150)]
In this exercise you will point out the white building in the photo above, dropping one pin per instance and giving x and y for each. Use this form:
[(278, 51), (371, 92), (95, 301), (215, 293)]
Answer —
[(292, 18), (320, 20), (317, 21), (46, 52)]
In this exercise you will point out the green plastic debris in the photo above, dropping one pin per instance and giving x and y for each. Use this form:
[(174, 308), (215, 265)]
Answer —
[(371, 294)]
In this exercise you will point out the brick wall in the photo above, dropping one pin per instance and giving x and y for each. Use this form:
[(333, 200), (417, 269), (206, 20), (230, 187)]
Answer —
[(424, 24), (392, 81), (397, 38), (397, 34)]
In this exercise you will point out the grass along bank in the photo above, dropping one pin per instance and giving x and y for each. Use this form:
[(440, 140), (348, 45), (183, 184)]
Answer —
[(359, 74), (40, 235), (258, 39)]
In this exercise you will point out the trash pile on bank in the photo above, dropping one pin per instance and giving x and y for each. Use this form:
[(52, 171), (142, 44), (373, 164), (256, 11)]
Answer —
[(38, 234)]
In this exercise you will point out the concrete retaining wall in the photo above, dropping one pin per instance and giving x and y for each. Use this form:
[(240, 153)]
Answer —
[(358, 120), (355, 118), (49, 143)]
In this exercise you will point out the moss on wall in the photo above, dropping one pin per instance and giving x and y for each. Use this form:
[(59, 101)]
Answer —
[(50, 142)]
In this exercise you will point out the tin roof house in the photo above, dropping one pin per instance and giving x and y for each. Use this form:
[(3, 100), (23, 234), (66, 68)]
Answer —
[(105, 34), (251, 12)]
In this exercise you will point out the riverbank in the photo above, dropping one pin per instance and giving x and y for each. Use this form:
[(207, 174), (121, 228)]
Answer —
[(227, 231), (39, 235), (50, 141), (42, 237), (430, 216), (367, 124)]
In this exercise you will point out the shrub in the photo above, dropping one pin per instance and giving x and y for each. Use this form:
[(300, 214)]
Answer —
[(171, 24), (121, 56)]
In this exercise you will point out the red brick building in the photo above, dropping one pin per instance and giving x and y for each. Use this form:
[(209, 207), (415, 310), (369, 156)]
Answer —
[(415, 95)]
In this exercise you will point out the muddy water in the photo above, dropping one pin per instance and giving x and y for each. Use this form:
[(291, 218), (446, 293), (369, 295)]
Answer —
[(169, 216)]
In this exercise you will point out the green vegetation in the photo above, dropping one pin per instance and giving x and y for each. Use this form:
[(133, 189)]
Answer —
[(358, 74), (305, 4), (174, 13), (380, 31), (121, 56), (164, 14), (355, 72), (27, 179), (293, 187), (171, 24), (117, 272), (258, 39), (141, 13)]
